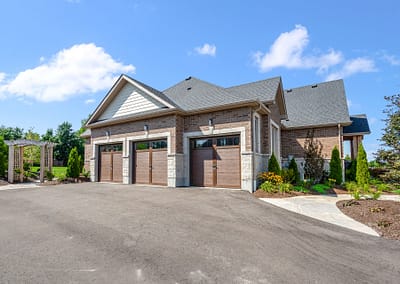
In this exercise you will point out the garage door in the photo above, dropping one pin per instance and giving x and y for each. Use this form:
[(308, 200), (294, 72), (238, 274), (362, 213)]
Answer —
[(215, 162), (151, 163), (110, 163)]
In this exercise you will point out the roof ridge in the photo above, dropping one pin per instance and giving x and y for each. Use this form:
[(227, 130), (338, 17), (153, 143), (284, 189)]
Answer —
[(259, 81), (314, 84)]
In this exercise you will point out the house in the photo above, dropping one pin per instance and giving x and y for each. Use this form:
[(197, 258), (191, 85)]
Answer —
[(200, 134)]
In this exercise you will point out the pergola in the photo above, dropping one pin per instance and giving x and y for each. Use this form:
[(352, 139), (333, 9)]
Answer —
[(16, 158)]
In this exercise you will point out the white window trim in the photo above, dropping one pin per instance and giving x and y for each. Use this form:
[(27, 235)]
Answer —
[(257, 144), (273, 124)]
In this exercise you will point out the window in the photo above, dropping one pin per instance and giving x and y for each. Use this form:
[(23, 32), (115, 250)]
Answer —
[(110, 148), (228, 141), (202, 143), (257, 135), (275, 140)]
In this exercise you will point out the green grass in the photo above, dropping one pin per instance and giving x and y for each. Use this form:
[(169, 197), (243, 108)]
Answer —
[(320, 188), (396, 191), (57, 171)]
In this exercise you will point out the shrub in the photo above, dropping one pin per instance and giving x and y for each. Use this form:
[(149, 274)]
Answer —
[(3, 157), (273, 165), (335, 166), (300, 188), (271, 177), (362, 173), (268, 186), (73, 166), (49, 175), (314, 161), (351, 171), (294, 168), (288, 175), (285, 187), (85, 173)]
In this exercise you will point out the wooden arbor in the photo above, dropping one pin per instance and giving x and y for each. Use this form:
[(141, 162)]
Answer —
[(16, 158)]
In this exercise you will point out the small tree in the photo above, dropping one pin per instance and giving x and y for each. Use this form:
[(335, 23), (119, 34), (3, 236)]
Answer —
[(351, 171), (3, 156), (362, 173), (73, 165), (273, 165), (314, 161), (335, 166), (294, 168)]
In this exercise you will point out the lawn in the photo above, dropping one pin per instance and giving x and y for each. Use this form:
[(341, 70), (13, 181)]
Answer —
[(57, 171)]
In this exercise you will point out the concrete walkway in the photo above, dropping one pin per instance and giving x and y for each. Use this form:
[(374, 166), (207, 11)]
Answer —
[(324, 208), (18, 186)]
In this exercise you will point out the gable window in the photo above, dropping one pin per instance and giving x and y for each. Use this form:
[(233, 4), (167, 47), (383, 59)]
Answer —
[(256, 131), (275, 140)]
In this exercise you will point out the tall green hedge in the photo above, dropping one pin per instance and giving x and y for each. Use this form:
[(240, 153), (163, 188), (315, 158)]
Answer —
[(273, 165), (362, 173), (335, 166), (73, 165)]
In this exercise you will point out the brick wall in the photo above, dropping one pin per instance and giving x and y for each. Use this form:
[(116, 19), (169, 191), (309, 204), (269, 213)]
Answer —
[(239, 117), (88, 154), (292, 141), (156, 125)]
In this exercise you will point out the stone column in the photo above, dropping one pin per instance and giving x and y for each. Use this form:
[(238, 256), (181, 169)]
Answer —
[(50, 157), (21, 163), (10, 163), (42, 162)]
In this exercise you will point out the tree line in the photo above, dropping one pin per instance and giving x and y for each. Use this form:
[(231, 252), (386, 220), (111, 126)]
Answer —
[(64, 136)]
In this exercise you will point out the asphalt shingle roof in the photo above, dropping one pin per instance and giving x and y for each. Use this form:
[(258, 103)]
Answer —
[(194, 94), (359, 125), (264, 90), (314, 105)]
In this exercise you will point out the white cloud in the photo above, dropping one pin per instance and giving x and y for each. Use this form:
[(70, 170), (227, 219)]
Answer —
[(2, 76), (353, 66), (206, 49), (393, 60), (89, 101), (287, 51), (83, 68)]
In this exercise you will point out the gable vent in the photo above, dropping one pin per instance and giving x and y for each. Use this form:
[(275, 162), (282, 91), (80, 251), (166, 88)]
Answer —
[(188, 78), (314, 86), (288, 91), (189, 88)]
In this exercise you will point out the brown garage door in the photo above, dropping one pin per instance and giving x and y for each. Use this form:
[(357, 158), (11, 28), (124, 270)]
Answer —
[(110, 163), (151, 166), (215, 162)]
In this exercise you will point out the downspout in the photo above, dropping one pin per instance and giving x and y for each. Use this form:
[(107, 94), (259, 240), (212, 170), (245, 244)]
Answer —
[(341, 152), (260, 107)]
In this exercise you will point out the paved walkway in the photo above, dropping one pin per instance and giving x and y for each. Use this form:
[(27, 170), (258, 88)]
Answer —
[(324, 208), (18, 185)]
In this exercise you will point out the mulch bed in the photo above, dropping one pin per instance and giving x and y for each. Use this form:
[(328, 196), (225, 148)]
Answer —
[(262, 194), (381, 215)]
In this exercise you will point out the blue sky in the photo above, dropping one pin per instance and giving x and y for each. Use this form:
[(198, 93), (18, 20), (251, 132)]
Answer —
[(58, 58)]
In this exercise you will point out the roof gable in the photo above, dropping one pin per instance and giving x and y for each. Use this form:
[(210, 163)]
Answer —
[(359, 125), (317, 105), (129, 97)]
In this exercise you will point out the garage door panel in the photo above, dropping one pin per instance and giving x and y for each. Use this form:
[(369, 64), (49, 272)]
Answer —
[(117, 166), (142, 171), (159, 167), (106, 166), (228, 167), (202, 167)]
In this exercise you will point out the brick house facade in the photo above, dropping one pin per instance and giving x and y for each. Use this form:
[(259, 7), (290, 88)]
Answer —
[(197, 133)]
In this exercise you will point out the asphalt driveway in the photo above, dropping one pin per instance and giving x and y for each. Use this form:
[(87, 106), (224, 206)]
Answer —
[(105, 233)]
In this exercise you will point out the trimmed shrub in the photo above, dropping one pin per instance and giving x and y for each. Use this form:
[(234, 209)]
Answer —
[(273, 165), (362, 173), (288, 175), (335, 166), (73, 165), (294, 168)]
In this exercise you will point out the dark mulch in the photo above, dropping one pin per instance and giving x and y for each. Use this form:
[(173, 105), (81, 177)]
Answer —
[(262, 194), (381, 215)]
